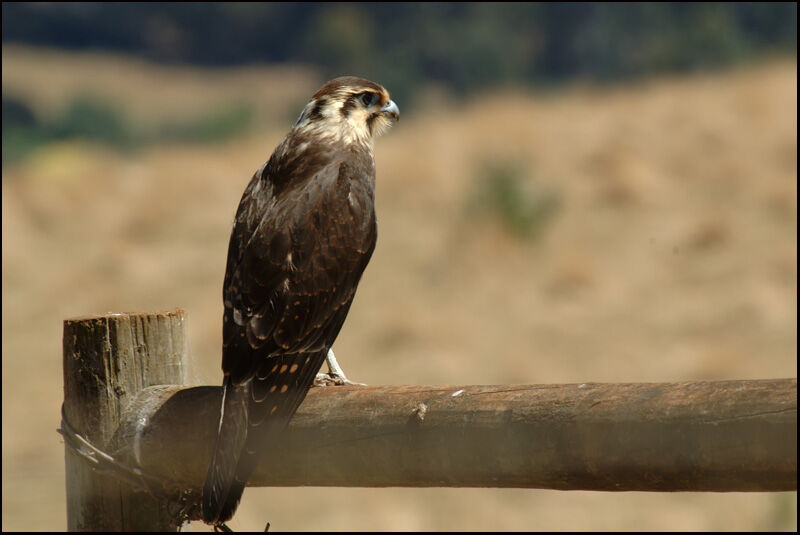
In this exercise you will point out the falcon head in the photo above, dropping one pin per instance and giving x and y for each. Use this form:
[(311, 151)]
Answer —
[(348, 110)]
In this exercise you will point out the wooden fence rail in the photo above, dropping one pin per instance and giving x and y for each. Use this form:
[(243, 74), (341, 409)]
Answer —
[(689, 436)]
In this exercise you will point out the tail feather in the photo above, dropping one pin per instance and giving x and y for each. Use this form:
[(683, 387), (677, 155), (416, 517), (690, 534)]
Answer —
[(271, 398), (231, 438)]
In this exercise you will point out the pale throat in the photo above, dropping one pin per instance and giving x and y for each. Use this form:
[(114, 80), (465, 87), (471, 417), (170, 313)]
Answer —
[(333, 127)]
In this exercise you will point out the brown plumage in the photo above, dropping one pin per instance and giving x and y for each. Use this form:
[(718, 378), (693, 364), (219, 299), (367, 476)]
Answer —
[(304, 232)]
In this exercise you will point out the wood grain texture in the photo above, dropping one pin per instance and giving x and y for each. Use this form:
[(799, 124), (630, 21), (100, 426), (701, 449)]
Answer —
[(691, 436), (108, 359)]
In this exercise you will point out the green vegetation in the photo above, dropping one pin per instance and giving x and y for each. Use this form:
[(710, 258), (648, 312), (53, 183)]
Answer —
[(215, 126), (98, 120), (504, 192), (465, 46), (90, 118)]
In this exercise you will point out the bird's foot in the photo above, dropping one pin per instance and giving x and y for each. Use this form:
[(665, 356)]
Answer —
[(335, 375), (332, 379)]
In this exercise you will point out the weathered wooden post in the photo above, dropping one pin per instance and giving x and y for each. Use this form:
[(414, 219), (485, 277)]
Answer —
[(714, 436), (107, 360)]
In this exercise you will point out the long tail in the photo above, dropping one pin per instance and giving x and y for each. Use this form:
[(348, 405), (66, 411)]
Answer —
[(230, 441), (251, 413)]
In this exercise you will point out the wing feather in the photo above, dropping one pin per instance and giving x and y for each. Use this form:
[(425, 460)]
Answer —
[(295, 257)]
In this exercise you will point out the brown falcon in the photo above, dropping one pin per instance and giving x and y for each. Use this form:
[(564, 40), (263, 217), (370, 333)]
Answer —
[(304, 232)]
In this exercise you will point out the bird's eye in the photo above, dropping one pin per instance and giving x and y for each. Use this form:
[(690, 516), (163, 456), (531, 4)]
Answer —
[(368, 99)]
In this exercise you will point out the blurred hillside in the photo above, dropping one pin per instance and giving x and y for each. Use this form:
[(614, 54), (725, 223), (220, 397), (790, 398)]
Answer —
[(130, 104), (466, 46), (451, 50), (633, 232)]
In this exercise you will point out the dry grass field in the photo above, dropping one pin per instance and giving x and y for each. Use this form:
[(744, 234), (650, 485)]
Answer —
[(672, 256)]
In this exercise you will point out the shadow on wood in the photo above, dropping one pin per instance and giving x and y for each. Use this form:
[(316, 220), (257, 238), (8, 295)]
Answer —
[(693, 436)]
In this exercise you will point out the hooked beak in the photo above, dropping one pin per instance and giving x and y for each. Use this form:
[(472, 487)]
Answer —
[(391, 110)]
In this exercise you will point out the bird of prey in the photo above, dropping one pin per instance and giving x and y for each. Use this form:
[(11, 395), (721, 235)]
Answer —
[(304, 232)]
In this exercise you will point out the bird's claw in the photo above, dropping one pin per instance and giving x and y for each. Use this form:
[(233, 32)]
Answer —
[(335, 375), (334, 379)]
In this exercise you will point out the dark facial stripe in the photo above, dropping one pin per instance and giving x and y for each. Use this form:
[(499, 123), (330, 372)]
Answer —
[(316, 112), (349, 104), (371, 121)]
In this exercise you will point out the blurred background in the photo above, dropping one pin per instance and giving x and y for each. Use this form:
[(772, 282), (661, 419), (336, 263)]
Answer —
[(575, 192)]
